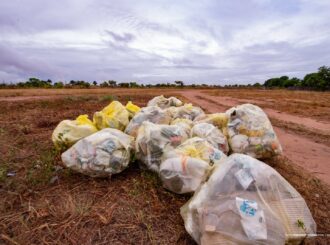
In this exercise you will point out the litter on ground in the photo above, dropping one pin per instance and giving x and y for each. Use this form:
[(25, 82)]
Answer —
[(237, 199)]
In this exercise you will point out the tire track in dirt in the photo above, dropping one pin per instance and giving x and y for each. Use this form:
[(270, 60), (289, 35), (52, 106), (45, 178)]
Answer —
[(304, 152)]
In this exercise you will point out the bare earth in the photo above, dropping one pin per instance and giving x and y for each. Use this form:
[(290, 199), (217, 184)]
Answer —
[(42, 203)]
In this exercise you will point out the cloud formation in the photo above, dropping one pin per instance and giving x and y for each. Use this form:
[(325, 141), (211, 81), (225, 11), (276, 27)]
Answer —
[(207, 41)]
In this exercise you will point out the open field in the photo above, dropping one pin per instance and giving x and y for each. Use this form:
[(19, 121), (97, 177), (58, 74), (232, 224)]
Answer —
[(43, 203)]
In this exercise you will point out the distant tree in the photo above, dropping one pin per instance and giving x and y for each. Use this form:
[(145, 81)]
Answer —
[(58, 85), (104, 84), (179, 83), (95, 83), (112, 83)]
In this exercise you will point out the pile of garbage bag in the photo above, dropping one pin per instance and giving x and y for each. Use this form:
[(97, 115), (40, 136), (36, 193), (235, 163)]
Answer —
[(237, 199)]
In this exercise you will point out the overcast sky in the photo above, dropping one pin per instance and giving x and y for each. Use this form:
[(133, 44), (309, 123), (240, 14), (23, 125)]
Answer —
[(202, 41)]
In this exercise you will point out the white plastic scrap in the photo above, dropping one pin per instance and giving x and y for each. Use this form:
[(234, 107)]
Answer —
[(245, 201), (102, 154)]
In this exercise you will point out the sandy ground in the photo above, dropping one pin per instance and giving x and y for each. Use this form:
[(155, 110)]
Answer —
[(312, 156)]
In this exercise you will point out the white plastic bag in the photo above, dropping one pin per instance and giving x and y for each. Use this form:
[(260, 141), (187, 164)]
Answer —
[(163, 102), (212, 134), (155, 139), (102, 154), (245, 201), (183, 174), (250, 132), (152, 114)]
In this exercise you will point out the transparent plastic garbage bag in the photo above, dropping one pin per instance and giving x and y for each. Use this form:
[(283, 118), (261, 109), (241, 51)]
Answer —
[(197, 148), (245, 201), (219, 120), (187, 111), (102, 154), (250, 132), (68, 132), (163, 102), (212, 134), (155, 139), (183, 174), (152, 114), (185, 124)]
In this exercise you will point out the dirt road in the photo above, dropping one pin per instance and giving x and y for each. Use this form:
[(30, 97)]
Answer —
[(312, 156)]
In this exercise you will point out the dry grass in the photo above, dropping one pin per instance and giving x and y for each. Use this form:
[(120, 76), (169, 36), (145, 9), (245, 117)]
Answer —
[(303, 103), (46, 204)]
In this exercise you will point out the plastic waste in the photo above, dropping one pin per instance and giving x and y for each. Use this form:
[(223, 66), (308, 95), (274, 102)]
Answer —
[(102, 154), (250, 132), (197, 148), (114, 115), (245, 201), (183, 174), (220, 120), (187, 111), (153, 140), (68, 132), (163, 102), (152, 114), (132, 109), (212, 134), (185, 124)]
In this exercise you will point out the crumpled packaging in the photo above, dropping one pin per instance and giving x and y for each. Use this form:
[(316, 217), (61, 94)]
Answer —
[(68, 132), (155, 139), (250, 132), (245, 201), (152, 114), (197, 148), (183, 174), (163, 102), (212, 134), (187, 111), (114, 115), (102, 154)]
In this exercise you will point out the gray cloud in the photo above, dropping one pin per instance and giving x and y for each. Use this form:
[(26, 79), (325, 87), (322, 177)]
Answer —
[(205, 41)]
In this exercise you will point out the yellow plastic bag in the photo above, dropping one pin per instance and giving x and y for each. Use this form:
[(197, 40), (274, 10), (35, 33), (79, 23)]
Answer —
[(132, 109), (114, 115), (69, 132)]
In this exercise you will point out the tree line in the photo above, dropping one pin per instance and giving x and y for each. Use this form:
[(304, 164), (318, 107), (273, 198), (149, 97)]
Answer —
[(319, 80)]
